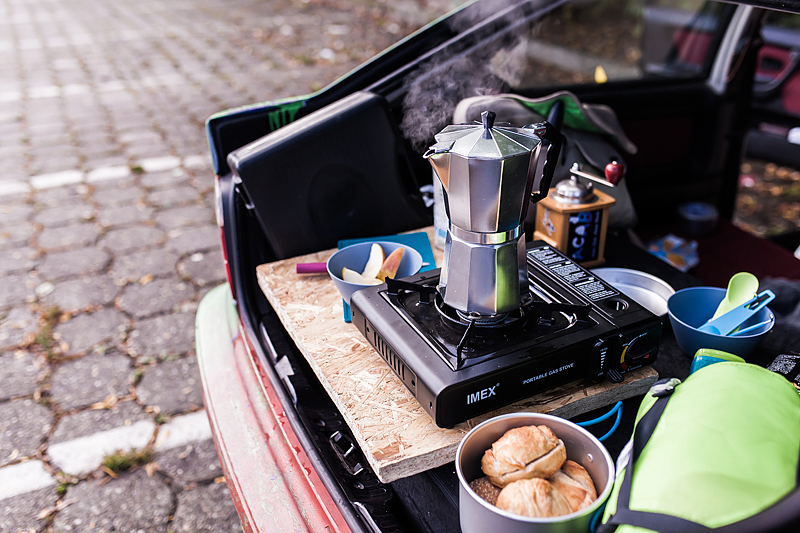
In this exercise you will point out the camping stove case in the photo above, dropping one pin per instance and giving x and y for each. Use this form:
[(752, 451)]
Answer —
[(578, 327)]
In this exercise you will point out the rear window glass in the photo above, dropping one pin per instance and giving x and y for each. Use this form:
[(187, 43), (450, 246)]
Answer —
[(614, 40), (560, 45)]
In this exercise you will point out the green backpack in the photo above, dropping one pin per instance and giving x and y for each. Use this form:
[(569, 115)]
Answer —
[(720, 452)]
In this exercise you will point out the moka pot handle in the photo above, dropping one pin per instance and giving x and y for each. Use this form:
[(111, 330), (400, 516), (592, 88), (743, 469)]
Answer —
[(549, 149)]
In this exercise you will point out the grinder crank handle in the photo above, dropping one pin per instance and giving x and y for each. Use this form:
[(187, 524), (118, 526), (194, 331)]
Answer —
[(550, 148)]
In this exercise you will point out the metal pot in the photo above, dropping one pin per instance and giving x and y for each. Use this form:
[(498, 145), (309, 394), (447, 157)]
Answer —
[(479, 516)]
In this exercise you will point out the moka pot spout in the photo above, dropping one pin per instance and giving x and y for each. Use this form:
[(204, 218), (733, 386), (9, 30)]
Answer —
[(438, 156)]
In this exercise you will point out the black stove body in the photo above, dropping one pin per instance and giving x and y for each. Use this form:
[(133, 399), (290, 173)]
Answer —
[(457, 366)]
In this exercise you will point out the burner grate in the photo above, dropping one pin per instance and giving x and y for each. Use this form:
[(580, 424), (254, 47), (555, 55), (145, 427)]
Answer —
[(480, 319), (462, 339)]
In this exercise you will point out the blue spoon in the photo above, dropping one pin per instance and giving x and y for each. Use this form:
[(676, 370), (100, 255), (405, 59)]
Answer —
[(727, 323), (748, 329)]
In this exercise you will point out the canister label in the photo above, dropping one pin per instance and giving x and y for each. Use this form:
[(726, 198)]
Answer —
[(583, 239)]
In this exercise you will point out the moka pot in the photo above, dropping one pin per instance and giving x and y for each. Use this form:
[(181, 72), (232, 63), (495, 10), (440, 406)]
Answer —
[(490, 175)]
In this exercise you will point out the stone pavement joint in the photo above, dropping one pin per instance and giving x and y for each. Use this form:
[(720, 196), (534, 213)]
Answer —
[(80, 456), (183, 430), (99, 174)]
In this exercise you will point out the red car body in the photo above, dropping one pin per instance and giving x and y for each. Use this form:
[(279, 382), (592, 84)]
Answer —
[(273, 483)]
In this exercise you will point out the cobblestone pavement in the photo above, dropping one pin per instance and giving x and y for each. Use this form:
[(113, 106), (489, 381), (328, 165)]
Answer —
[(107, 238)]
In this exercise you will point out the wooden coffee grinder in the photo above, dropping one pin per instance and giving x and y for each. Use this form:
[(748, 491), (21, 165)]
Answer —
[(573, 218)]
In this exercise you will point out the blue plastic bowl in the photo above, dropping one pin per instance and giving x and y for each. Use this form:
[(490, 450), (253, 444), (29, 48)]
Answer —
[(690, 308), (355, 258)]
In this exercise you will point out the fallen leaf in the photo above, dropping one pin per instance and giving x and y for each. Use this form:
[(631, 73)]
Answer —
[(150, 469), (144, 280), (60, 504), (220, 479), (109, 402), (110, 472), (66, 478)]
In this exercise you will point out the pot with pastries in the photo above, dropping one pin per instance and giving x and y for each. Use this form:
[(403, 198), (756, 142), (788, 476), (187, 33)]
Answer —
[(531, 472)]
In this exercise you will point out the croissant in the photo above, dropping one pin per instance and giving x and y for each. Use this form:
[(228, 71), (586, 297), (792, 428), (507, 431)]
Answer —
[(534, 498), (575, 484), (523, 453)]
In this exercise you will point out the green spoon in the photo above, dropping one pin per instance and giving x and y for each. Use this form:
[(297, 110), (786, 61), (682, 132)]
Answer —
[(742, 287)]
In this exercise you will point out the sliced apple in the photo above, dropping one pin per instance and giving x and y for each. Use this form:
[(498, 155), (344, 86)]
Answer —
[(376, 257), (390, 265), (351, 276)]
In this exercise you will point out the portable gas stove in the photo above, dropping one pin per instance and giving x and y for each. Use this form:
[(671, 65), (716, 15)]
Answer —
[(459, 365)]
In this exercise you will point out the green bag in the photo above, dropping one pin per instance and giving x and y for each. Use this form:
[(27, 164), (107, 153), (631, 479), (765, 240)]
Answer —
[(720, 451)]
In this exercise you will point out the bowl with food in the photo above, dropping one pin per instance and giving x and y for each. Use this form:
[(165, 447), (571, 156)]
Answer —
[(365, 264), (531, 473)]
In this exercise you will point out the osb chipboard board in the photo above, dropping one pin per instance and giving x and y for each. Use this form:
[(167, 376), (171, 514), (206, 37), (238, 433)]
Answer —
[(397, 436)]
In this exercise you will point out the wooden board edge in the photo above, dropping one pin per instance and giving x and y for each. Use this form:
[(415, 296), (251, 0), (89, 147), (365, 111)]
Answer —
[(390, 472)]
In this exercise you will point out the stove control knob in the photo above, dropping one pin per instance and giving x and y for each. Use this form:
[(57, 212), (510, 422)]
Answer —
[(638, 351)]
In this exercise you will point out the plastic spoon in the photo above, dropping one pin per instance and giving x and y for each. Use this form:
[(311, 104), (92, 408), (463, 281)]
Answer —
[(741, 288), (727, 323), (748, 329)]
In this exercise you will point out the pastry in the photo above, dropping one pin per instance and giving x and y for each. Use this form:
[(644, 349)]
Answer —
[(535, 498), (579, 474), (523, 453), (575, 484), (485, 489)]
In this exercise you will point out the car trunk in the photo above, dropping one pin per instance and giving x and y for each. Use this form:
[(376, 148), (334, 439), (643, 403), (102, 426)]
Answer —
[(342, 153)]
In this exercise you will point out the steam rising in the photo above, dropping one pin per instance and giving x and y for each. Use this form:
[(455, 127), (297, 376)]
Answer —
[(438, 85), (432, 97)]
